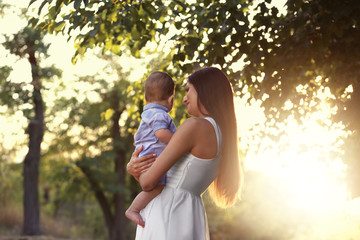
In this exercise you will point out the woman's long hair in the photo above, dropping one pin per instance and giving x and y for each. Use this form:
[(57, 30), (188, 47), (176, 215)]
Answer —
[(216, 95)]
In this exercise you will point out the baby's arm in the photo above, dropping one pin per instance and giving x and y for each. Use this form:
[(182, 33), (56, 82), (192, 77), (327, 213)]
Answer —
[(164, 135)]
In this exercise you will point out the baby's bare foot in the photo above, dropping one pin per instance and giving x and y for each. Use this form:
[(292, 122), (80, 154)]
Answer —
[(135, 217)]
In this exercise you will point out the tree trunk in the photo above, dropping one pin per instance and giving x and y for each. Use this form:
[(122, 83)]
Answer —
[(32, 225), (115, 221), (119, 229), (100, 197)]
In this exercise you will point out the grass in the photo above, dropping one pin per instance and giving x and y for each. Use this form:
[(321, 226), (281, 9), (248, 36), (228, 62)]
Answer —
[(11, 221)]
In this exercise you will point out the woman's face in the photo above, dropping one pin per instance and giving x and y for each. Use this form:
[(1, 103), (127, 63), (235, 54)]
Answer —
[(191, 102)]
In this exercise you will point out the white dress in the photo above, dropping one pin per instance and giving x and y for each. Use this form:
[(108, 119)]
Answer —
[(178, 213)]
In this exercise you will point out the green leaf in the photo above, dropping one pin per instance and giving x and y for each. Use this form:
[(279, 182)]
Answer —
[(178, 25), (31, 2), (128, 24), (41, 6), (77, 4), (107, 114), (183, 5), (59, 26), (134, 33), (93, 32), (50, 27), (58, 4), (115, 48), (149, 8), (112, 17), (108, 44), (187, 68), (75, 58), (52, 13), (159, 15), (77, 20), (33, 21)]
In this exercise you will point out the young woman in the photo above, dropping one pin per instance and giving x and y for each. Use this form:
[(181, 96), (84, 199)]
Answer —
[(202, 151)]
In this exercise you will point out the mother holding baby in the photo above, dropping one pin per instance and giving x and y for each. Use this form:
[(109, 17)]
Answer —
[(203, 152)]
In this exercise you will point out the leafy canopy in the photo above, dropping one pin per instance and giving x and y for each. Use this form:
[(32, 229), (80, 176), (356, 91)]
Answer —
[(263, 51)]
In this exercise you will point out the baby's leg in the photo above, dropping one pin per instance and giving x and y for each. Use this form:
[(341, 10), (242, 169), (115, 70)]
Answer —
[(140, 202)]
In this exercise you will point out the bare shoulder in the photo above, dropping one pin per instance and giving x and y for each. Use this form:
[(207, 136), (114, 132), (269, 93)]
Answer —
[(196, 124), (193, 122), (201, 134)]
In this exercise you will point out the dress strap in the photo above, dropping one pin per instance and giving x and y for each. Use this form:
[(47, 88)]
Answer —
[(218, 133)]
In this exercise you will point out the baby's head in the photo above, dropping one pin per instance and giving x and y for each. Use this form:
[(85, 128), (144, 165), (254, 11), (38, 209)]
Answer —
[(159, 88)]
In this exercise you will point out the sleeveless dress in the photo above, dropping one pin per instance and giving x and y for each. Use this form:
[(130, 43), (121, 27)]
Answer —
[(178, 213)]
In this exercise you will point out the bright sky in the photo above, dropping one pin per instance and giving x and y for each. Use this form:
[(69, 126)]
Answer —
[(309, 182)]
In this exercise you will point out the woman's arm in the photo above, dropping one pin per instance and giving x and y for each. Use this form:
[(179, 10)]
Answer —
[(138, 165), (181, 142)]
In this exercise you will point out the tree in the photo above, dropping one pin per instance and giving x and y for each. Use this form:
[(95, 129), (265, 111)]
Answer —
[(113, 209), (290, 57), (96, 139), (277, 57), (28, 44), (120, 16)]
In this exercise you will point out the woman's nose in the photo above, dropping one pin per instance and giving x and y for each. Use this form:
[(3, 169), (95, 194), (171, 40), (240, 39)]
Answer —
[(185, 100)]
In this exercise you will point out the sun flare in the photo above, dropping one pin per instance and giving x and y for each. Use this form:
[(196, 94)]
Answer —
[(306, 160)]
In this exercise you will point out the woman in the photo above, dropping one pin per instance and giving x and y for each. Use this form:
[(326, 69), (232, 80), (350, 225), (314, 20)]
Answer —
[(202, 151)]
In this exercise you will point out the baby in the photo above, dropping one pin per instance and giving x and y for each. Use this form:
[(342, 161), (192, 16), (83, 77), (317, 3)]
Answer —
[(155, 131)]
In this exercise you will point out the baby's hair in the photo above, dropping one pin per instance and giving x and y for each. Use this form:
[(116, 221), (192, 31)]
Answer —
[(158, 86)]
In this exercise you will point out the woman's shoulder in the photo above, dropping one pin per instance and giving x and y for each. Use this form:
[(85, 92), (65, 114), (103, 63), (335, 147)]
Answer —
[(194, 120), (196, 123), (202, 136)]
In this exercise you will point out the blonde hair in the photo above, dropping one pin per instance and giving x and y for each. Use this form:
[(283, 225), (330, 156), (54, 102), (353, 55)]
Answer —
[(216, 95)]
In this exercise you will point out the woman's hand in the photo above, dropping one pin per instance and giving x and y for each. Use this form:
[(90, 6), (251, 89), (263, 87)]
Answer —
[(138, 165)]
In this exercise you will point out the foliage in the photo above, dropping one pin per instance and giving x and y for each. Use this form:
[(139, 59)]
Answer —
[(132, 23), (84, 140), (10, 183), (18, 95), (264, 52), (10, 174), (25, 41), (283, 58), (314, 38)]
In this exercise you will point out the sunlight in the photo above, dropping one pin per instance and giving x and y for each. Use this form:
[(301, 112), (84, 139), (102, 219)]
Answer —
[(305, 159), (310, 183), (13, 134)]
